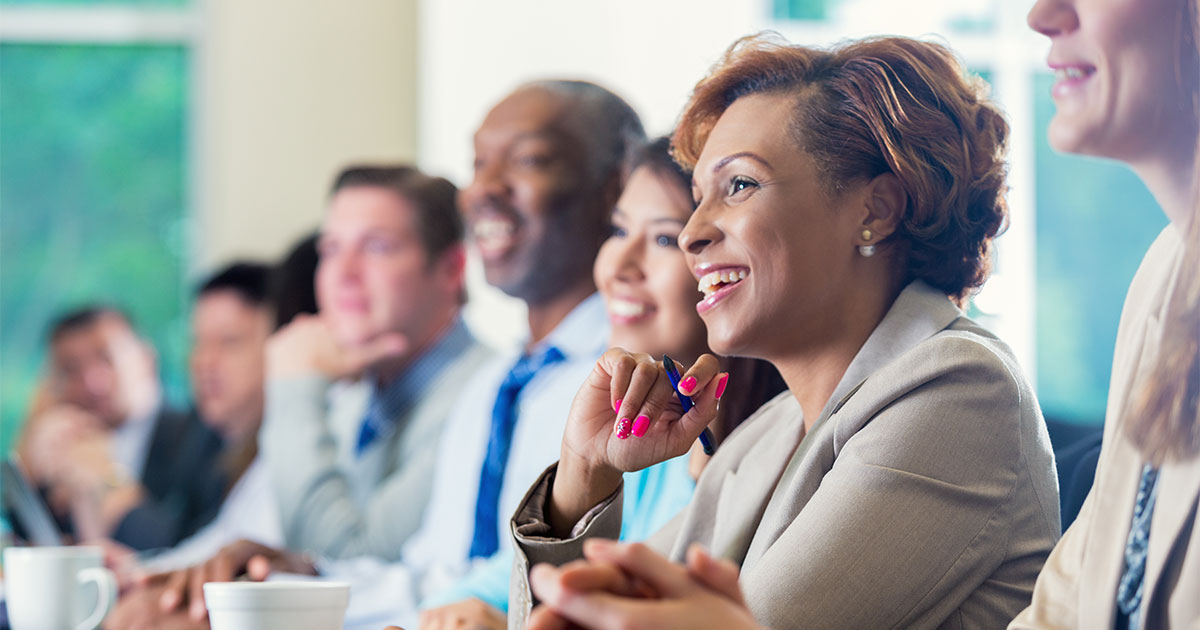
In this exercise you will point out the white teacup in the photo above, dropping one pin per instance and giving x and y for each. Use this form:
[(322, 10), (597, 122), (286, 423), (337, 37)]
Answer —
[(276, 605), (50, 587)]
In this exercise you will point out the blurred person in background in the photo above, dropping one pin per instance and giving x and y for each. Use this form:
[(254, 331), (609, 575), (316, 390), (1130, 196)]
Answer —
[(1129, 89), (550, 163), (356, 396), (109, 453), (231, 321)]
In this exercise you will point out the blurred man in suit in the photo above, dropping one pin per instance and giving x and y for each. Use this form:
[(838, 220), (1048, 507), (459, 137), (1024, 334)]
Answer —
[(100, 441)]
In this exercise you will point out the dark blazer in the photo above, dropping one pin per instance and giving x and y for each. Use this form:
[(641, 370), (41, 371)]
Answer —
[(183, 480)]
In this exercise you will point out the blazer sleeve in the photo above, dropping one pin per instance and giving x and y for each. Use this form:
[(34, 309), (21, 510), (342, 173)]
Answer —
[(164, 523), (1056, 596), (317, 505), (150, 525), (912, 517), (531, 528), (191, 466), (534, 544)]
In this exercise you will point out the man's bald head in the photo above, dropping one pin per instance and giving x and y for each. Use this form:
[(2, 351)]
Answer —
[(550, 161), (606, 125)]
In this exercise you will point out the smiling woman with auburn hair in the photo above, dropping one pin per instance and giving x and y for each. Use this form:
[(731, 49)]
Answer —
[(944, 142), (846, 201)]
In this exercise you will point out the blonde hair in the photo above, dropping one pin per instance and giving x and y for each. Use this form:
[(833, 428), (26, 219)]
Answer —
[(1163, 413)]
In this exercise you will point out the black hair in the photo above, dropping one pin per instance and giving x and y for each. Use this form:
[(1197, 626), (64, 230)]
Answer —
[(656, 155), (84, 317), (249, 280), (293, 286)]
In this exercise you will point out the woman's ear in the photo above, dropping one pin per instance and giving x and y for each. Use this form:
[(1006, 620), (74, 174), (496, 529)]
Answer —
[(885, 204)]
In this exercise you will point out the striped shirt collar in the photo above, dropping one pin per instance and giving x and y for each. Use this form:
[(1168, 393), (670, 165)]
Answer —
[(401, 394)]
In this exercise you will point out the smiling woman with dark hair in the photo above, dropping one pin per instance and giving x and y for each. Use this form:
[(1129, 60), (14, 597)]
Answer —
[(846, 200)]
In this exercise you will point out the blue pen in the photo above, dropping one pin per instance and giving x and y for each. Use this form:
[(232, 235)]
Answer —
[(706, 438)]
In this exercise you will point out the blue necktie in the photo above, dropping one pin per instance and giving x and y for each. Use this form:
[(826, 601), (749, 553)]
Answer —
[(374, 422), (1133, 578), (504, 420)]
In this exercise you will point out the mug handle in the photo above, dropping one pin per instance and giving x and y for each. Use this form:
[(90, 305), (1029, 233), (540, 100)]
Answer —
[(106, 595)]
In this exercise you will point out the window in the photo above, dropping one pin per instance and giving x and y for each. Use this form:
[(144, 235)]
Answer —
[(93, 182)]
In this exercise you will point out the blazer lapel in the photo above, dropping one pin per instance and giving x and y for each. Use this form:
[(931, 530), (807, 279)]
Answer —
[(780, 507), (1102, 567), (745, 491), (919, 312), (1102, 570), (160, 450), (1178, 489)]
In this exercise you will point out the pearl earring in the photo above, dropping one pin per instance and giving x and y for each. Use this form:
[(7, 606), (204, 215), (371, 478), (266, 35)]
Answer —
[(866, 251)]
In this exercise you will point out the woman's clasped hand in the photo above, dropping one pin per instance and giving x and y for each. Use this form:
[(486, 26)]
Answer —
[(622, 586)]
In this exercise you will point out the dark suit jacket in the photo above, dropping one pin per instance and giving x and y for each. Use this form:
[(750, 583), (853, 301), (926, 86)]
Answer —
[(183, 481)]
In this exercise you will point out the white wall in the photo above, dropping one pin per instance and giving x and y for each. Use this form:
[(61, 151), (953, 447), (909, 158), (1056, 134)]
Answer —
[(287, 94), (473, 52)]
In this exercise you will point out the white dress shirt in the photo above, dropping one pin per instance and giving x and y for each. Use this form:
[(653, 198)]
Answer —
[(129, 444)]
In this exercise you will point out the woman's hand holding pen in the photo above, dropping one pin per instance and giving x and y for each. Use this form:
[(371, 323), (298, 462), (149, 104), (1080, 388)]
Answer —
[(648, 426)]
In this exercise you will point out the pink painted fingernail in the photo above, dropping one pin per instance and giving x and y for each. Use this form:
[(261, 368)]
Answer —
[(624, 428), (617, 405), (687, 385), (640, 425), (721, 385)]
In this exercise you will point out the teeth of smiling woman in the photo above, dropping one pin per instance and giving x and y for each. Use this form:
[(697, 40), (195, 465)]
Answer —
[(626, 308), (710, 282)]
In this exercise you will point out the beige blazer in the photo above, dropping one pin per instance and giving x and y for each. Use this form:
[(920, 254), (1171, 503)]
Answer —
[(925, 495), (1077, 588)]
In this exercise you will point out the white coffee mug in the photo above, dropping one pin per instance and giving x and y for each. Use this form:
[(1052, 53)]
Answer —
[(50, 588), (276, 605)]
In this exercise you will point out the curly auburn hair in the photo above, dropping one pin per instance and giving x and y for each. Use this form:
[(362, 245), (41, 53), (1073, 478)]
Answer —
[(873, 106)]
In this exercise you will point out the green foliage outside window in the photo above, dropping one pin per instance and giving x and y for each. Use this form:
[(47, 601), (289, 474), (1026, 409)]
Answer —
[(92, 200)]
